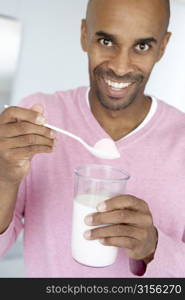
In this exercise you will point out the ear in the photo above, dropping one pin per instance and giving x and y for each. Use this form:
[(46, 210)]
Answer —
[(164, 45), (84, 35)]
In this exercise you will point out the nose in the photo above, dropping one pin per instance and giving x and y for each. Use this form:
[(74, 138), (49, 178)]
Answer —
[(121, 63)]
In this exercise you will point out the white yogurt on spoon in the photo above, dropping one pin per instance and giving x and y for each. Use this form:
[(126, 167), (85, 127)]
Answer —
[(107, 146)]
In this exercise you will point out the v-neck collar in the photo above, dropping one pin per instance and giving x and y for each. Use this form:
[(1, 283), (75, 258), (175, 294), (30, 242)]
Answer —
[(126, 140)]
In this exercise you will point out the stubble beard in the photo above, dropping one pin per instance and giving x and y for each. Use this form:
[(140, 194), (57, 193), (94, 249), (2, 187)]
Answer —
[(113, 104)]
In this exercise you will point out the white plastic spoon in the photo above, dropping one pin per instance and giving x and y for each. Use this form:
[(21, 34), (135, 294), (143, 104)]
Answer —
[(104, 148)]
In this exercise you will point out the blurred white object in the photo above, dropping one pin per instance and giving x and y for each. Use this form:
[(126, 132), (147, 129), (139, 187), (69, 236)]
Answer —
[(10, 39)]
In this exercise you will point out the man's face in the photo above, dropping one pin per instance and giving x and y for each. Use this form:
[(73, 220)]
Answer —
[(124, 39)]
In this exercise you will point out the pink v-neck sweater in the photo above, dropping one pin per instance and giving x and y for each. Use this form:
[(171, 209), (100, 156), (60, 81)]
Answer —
[(154, 156)]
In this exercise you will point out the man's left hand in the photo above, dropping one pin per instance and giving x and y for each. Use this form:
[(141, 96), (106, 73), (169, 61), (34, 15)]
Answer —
[(130, 226)]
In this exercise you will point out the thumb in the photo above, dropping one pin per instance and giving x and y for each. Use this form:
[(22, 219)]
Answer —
[(38, 107)]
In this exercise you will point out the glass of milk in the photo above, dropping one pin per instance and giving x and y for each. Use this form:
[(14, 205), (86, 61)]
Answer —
[(94, 184)]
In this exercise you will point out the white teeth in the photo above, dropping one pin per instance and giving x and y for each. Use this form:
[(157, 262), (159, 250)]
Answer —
[(117, 85)]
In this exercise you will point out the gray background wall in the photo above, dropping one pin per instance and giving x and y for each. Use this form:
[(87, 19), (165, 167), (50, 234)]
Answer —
[(51, 59)]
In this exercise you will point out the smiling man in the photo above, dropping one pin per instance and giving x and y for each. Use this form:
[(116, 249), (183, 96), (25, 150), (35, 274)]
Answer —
[(123, 39)]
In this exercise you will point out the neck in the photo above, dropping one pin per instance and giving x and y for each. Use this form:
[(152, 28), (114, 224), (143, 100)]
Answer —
[(120, 123)]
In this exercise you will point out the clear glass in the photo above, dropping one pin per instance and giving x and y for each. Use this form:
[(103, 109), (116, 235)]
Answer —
[(94, 184)]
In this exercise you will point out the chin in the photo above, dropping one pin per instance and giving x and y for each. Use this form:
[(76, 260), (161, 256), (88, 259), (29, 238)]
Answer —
[(115, 107), (115, 104)]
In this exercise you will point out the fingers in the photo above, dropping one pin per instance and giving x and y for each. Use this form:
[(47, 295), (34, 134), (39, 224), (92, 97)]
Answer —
[(23, 133), (117, 236), (121, 242), (131, 226), (38, 108), (14, 113), (124, 216), (123, 202), (21, 137), (24, 141), (25, 153), (119, 230), (23, 128)]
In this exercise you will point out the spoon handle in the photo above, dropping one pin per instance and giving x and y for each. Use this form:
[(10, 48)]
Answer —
[(64, 132)]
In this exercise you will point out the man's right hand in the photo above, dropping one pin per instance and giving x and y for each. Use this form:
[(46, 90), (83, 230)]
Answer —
[(21, 137)]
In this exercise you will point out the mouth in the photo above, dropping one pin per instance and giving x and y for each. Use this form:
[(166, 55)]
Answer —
[(115, 89)]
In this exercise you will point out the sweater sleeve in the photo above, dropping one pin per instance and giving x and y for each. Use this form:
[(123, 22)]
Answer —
[(8, 237), (168, 260)]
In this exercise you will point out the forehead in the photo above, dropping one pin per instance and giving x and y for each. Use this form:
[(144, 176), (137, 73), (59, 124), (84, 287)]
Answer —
[(144, 17)]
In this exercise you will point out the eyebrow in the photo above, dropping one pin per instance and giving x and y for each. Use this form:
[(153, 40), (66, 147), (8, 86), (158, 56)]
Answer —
[(106, 35), (147, 40), (112, 37)]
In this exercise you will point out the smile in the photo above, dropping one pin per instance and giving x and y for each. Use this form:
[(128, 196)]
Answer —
[(117, 86)]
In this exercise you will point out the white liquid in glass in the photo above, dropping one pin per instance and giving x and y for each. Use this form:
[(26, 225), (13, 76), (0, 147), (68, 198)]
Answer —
[(88, 252)]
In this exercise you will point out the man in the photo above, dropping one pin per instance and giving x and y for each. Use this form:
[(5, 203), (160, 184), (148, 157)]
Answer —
[(124, 39)]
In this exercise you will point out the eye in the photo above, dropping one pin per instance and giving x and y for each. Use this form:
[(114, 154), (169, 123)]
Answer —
[(105, 42), (143, 47)]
